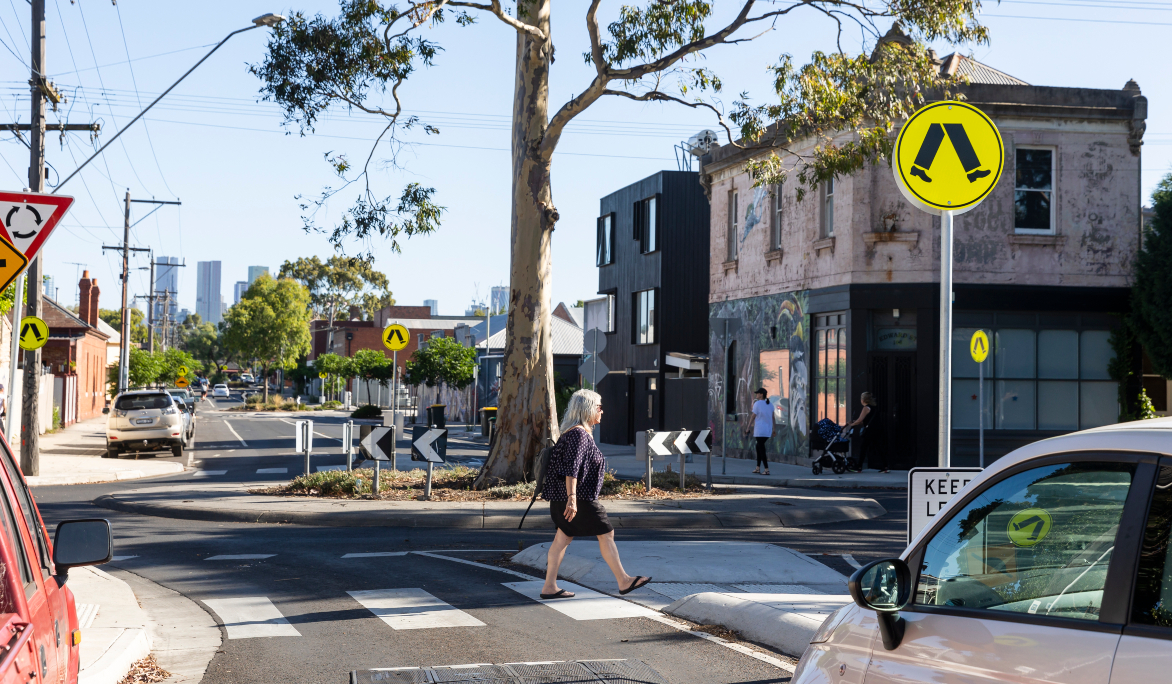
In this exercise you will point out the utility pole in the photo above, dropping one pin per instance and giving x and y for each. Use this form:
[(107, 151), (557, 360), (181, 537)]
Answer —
[(154, 295)]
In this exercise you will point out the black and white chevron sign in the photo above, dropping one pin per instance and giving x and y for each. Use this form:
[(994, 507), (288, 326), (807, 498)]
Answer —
[(679, 442)]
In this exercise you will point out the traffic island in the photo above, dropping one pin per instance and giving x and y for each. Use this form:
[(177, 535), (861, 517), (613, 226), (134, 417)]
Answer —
[(233, 502)]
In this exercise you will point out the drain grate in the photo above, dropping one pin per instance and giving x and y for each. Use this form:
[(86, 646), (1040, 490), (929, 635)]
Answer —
[(569, 672)]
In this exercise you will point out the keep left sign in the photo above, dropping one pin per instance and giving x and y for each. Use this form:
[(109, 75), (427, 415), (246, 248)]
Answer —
[(28, 218), (929, 490)]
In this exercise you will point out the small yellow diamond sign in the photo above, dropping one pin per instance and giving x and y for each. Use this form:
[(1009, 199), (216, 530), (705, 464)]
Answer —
[(948, 157)]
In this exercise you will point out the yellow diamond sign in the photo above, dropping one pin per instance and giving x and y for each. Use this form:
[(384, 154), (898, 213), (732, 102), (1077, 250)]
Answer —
[(948, 157)]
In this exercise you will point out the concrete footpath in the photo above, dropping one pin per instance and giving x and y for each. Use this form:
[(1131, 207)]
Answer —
[(73, 455), (124, 618), (769, 594), (231, 502)]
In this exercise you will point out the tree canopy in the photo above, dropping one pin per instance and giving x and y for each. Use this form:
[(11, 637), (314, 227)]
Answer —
[(1151, 314), (138, 329), (441, 360), (269, 325), (339, 283)]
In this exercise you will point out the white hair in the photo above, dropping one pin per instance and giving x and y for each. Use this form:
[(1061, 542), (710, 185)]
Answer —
[(581, 409)]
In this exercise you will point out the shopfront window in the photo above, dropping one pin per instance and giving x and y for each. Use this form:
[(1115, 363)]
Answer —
[(830, 344), (1035, 379)]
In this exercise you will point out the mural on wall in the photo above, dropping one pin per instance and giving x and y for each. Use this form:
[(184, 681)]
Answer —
[(771, 350), (755, 211)]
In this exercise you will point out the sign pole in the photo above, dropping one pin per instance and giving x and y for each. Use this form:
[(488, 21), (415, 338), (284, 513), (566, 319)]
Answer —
[(17, 310), (724, 413), (981, 412), (945, 459)]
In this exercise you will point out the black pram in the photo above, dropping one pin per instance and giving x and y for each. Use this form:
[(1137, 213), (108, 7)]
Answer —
[(828, 445)]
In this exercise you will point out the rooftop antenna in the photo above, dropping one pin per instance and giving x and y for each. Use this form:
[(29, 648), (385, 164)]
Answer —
[(77, 278)]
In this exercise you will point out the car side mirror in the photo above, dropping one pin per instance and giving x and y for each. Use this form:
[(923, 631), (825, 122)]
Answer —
[(885, 587), (105, 409), (81, 542)]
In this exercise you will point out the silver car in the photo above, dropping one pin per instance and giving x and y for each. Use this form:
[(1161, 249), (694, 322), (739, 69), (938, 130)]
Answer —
[(146, 420), (1053, 564)]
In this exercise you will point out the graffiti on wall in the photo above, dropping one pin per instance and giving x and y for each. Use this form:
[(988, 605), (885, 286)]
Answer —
[(755, 211), (771, 350)]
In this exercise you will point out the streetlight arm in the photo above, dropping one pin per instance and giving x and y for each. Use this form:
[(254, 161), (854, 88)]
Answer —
[(152, 104)]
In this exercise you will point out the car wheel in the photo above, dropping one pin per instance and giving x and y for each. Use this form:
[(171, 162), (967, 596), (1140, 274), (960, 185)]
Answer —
[(177, 450), (110, 453)]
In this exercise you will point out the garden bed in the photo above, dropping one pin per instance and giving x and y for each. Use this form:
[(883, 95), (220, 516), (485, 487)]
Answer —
[(455, 484)]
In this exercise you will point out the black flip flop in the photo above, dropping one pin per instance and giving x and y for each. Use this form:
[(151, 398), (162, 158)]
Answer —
[(561, 593), (636, 584)]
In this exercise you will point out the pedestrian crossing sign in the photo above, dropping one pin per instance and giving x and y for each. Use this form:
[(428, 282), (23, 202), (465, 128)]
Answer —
[(34, 333), (395, 337), (979, 346), (948, 157)]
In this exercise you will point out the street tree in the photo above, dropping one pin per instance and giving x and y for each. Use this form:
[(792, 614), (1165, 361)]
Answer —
[(441, 360), (205, 343), (846, 104), (169, 362), (368, 364), (270, 324), (337, 284), (1151, 317)]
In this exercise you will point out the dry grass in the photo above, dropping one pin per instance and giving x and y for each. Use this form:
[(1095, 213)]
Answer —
[(145, 671), (455, 484)]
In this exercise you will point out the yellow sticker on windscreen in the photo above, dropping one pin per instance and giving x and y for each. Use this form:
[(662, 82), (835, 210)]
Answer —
[(1028, 527)]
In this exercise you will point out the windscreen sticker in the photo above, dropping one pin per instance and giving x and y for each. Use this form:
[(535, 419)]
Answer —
[(1028, 527)]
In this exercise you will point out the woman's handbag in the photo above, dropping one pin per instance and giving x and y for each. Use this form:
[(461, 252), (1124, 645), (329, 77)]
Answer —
[(539, 467)]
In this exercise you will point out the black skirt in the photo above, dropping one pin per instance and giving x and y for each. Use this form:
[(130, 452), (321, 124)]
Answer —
[(590, 520)]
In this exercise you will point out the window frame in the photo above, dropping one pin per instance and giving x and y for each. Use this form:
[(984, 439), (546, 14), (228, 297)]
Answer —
[(647, 230), (653, 315), (776, 209), (1119, 585), (1053, 229), (827, 194), (732, 226), (605, 231)]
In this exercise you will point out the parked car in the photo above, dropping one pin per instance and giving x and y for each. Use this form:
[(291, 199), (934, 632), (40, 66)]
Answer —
[(1054, 563), (220, 391), (247, 379), (38, 614), (145, 420), (185, 394)]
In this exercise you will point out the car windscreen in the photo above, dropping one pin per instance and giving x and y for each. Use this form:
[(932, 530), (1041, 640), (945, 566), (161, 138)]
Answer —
[(143, 401)]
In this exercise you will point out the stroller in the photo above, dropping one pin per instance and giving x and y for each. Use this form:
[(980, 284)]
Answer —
[(833, 443)]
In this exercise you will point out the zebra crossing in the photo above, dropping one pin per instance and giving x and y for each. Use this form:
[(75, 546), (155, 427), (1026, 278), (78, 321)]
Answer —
[(411, 608)]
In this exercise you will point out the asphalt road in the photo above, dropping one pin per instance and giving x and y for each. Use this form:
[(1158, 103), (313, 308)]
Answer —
[(471, 615)]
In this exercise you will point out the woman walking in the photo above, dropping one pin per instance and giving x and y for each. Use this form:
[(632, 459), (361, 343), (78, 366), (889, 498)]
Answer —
[(573, 482), (762, 428), (868, 427)]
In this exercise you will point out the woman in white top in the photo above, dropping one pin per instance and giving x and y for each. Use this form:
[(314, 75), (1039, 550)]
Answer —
[(762, 427)]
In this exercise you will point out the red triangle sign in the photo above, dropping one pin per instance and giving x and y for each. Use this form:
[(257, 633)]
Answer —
[(27, 218)]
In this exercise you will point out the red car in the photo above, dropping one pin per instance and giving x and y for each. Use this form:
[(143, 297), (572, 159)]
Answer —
[(38, 619)]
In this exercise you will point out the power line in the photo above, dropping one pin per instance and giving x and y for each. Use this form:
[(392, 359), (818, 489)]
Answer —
[(134, 82), (139, 59), (1088, 21)]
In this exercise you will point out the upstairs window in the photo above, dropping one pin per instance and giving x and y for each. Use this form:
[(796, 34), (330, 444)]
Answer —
[(644, 317), (646, 221), (828, 209), (1033, 190), (605, 254), (733, 226)]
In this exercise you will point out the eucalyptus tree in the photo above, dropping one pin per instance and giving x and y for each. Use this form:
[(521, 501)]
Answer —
[(649, 52)]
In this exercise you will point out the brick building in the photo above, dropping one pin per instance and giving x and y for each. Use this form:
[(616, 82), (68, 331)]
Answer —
[(76, 355)]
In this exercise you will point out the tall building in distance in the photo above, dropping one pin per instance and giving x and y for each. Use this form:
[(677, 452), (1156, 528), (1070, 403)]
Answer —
[(432, 304), (209, 303), (238, 292), (50, 288), (255, 272), (167, 281), (499, 299)]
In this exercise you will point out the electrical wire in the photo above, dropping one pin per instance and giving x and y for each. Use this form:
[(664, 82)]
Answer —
[(139, 59), (28, 46), (134, 82), (1088, 21)]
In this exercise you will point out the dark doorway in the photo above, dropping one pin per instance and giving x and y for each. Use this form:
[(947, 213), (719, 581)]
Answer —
[(893, 382), (631, 409)]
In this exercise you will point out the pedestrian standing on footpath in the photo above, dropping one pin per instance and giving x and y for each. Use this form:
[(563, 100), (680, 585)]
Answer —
[(762, 427), (868, 426), (573, 482)]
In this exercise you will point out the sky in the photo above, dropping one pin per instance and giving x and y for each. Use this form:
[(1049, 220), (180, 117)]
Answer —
[(213, 145)]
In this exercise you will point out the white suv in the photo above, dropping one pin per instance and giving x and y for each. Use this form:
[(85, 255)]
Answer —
[(144, 420)]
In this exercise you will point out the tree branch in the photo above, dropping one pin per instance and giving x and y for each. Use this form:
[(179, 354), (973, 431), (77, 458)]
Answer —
[(495, 8), (658, 96), (595, 40)]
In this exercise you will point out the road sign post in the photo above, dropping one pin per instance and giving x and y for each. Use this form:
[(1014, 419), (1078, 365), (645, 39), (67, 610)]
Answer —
[(348, 443), (395, 337), (947, 184), (979, 348), (303, 440), (423, 439)]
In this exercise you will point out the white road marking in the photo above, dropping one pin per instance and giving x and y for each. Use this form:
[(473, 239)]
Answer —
[(585, 605), (251, 617), (336, 467), (851, 561), (208, 473), (412, 609), (378, 554), (507, 571), (238, 437), (122, 558), (271, 471), (241, 556)]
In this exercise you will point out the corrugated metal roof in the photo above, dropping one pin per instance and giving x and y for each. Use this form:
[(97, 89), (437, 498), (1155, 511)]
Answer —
[(113, 334), (567, 338), (428, 323), (957, 64)]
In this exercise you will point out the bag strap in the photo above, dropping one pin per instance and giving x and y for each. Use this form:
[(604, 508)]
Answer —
[(537, 486)]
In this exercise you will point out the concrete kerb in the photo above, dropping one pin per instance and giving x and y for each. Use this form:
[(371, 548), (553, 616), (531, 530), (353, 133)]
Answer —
[(786, 622)]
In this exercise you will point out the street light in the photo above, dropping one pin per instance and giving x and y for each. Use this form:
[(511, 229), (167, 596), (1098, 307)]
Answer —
[(269, 19)]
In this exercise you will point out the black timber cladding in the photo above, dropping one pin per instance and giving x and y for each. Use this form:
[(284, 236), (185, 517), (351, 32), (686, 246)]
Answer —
[(679, 270)]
